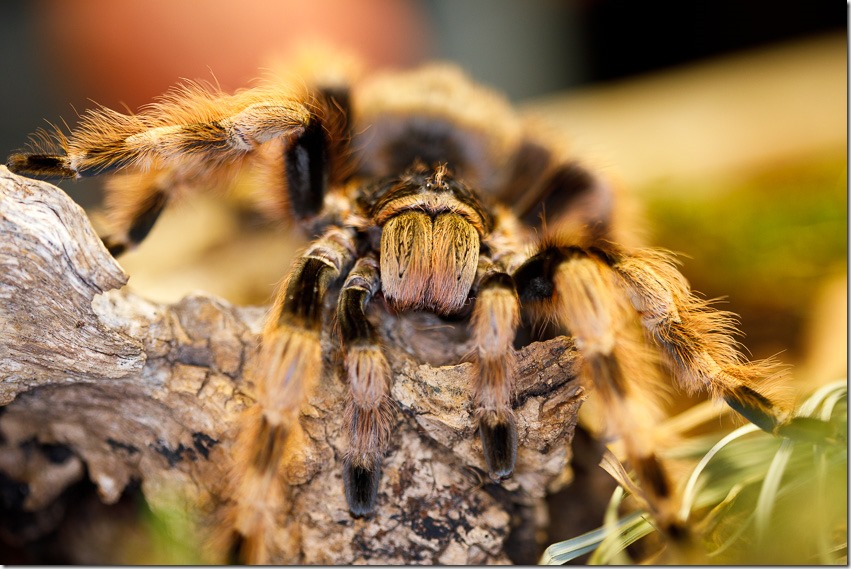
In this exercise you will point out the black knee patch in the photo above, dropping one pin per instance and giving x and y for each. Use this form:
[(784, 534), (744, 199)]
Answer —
[(354, 327), (303, 301), (534, 278), (306, 165)]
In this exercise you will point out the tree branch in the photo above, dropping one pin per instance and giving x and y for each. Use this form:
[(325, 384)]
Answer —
[(96, 381)]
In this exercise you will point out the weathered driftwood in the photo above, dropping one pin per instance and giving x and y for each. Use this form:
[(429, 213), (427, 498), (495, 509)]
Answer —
[(97, 382)]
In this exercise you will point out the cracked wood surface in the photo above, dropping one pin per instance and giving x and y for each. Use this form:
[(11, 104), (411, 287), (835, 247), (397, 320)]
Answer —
[(100, 383)]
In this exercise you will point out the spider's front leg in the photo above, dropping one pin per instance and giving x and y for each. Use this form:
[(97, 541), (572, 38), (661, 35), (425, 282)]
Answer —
[(493, 326), (496, 316), (290, 365), (370, 411), (597, 292), (698, 342), (197, 138)]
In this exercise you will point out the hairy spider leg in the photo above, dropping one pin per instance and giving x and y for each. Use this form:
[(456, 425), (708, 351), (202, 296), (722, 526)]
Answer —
[(493, 328), (369, 413), (698, 342), (582, 293), (589, 286), (191, 127), (195, 137), (494, 322), (290, 365)]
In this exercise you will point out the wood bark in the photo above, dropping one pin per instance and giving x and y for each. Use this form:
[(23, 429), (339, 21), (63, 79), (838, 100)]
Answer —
[(99, 383)]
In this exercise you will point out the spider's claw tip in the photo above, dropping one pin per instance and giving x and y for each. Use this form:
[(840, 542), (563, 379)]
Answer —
[(42, 165), (499, 444), (236, 550), (361, 485), (114, 247)]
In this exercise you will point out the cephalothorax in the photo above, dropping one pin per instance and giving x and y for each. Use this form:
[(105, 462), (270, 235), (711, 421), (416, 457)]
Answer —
[(428, 191)]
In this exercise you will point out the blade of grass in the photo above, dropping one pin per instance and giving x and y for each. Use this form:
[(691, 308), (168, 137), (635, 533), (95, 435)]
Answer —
[(770, 486), (826, 550), (808, 407), (691, 489), (564, 551)]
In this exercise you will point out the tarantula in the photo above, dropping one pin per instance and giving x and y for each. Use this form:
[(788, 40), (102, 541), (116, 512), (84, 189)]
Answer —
[(429, 191)]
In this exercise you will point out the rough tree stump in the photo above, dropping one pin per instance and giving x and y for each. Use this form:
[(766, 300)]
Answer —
[(97, 382)]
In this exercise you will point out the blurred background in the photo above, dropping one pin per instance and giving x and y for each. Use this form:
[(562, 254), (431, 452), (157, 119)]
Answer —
[(727, 120)]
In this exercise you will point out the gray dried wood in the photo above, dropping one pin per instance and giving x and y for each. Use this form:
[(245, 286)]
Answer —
[(97, 382)]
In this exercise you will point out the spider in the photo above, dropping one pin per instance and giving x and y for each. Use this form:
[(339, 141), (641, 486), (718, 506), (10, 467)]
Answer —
[(430, 192)]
